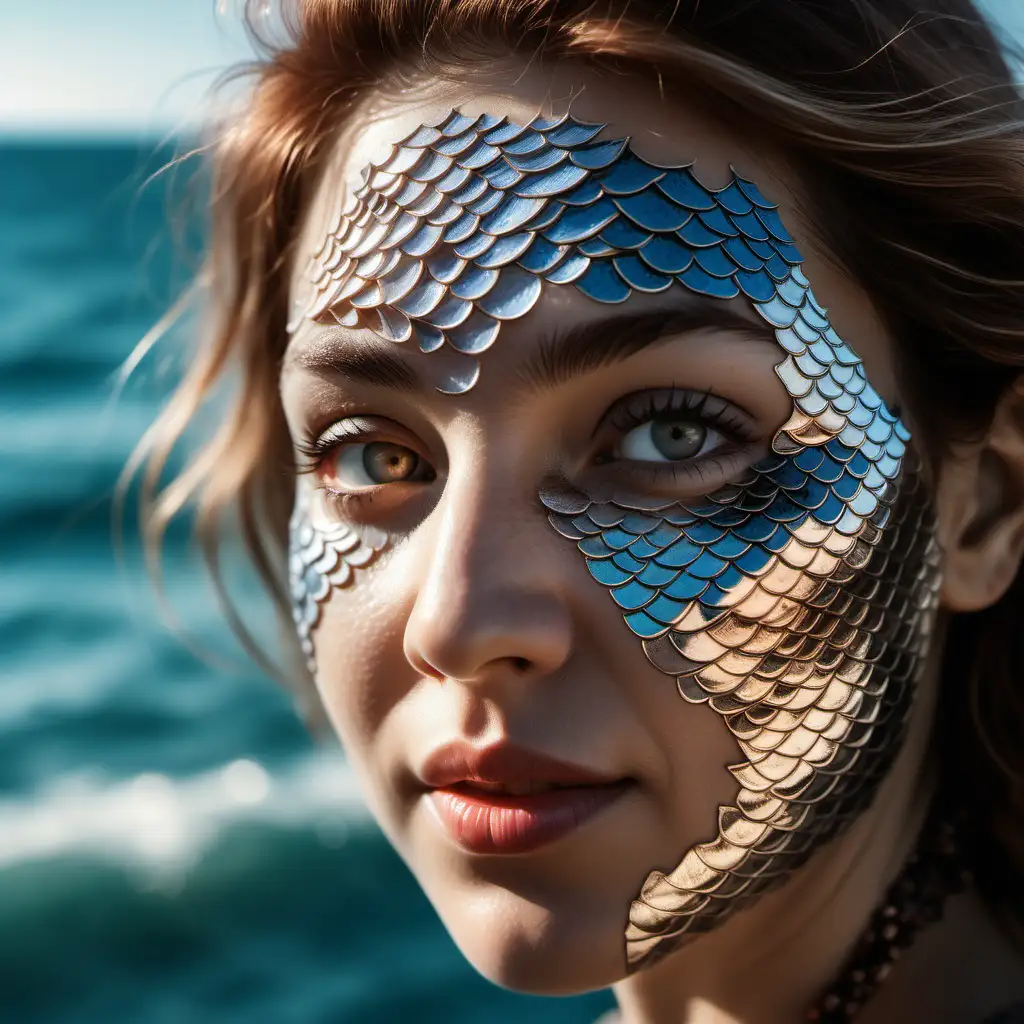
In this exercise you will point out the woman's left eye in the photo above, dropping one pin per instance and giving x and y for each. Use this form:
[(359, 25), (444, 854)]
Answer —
[(667, 440)]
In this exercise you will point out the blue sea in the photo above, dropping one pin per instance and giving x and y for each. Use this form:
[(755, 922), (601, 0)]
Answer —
[(173, 845)]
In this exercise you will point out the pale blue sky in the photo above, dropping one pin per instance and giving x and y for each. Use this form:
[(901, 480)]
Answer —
[(131, 66), (90, 66)]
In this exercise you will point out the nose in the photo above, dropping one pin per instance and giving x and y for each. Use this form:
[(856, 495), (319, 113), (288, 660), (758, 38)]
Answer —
[(490, 599)]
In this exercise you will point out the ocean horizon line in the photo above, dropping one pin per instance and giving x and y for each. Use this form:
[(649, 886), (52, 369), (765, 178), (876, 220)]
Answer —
[(50, 137)]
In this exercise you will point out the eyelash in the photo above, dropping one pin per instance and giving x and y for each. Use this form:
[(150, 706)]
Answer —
[(627, 414), (646, 406), (316, 448), (672, 403)]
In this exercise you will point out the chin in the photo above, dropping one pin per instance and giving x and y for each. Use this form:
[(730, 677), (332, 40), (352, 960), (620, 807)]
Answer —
[(537, 948)]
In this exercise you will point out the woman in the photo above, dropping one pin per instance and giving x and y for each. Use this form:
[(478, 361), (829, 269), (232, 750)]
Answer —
[(639, 383)]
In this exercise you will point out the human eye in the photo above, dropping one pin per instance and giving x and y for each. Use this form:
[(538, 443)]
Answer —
[(364, 455), (668, 440), (676, 433)]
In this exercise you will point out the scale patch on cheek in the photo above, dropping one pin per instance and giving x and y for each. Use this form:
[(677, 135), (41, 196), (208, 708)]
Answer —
[(797, 601), (322, 555), (800, 620)]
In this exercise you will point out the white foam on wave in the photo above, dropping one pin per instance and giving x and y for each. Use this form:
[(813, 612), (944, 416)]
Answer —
[(163, 825)]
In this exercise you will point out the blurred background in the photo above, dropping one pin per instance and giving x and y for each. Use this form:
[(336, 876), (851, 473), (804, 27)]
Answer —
[(173, 848)]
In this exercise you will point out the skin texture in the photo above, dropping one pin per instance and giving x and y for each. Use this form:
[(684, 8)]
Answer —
[(476, 620)]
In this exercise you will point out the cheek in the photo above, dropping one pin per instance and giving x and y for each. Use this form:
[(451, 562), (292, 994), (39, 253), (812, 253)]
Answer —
[(354, 641), (361, 676), (698, 747)]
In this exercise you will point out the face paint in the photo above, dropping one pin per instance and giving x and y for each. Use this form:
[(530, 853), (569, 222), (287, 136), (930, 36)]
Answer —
[(323, 554), (795, 602)]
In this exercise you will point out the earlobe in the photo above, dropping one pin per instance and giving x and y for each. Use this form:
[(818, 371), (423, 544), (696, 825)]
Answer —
[(981, 510)]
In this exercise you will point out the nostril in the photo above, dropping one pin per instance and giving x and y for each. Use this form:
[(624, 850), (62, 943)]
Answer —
[(521, 664)]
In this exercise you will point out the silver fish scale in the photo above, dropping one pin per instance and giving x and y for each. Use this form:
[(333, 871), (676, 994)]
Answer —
[(320, 558), (583, 211), (795, 602), (803, 625)]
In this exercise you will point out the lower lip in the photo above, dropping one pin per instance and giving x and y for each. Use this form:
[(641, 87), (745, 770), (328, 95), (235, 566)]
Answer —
[(489, 822)]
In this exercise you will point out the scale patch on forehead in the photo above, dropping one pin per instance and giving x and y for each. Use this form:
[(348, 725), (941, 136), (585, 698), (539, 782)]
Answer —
[(458, 229)]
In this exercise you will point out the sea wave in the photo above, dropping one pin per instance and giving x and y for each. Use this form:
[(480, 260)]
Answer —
[(163, 825)]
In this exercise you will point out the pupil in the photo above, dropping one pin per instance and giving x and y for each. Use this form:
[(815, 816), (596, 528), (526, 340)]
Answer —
[(678, 439), (386, 463)]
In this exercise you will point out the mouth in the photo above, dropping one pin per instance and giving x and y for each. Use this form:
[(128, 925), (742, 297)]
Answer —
[(506, 800), (487, 821), (512, 788)]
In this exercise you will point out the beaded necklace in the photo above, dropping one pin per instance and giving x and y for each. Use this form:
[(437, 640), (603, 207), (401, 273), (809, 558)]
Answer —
[(915, 899)]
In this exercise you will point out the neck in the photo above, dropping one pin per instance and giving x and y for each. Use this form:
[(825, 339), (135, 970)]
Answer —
[(773, 961), (960, 971)]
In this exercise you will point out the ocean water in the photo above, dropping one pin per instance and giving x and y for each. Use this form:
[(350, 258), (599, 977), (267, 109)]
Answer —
[(173, 846)]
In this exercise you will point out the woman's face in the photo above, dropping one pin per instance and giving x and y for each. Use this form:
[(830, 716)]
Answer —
[(492, 551)]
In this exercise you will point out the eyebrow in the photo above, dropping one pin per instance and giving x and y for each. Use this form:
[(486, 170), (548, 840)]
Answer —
[(559, 356), (356, 360), (587, 347)]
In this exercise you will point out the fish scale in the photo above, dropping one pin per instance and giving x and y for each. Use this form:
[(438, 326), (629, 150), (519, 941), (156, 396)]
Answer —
[(742, 245)]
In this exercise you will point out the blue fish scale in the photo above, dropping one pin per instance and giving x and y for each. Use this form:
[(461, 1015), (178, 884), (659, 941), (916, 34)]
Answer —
[(321, 558), (720, 243), (794, 603)]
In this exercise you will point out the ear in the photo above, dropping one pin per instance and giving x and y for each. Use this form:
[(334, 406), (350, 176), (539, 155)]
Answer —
[(981, 510)]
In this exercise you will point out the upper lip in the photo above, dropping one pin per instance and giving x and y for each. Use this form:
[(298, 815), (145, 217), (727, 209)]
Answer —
[(502, 764)]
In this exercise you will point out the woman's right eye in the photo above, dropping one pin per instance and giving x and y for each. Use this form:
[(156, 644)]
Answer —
[(360, 466)]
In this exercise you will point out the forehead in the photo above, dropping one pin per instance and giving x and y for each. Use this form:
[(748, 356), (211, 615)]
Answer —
[(658, 130), (667, 132)]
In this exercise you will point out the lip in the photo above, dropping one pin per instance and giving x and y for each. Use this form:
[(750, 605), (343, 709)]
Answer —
[(488, 821), (502, 764), (500, 823)]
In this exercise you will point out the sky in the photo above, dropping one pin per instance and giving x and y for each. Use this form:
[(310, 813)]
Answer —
[(111, 66), (141, 66)]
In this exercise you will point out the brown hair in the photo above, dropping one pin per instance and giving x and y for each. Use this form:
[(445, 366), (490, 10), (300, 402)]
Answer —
[(904, 121)]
